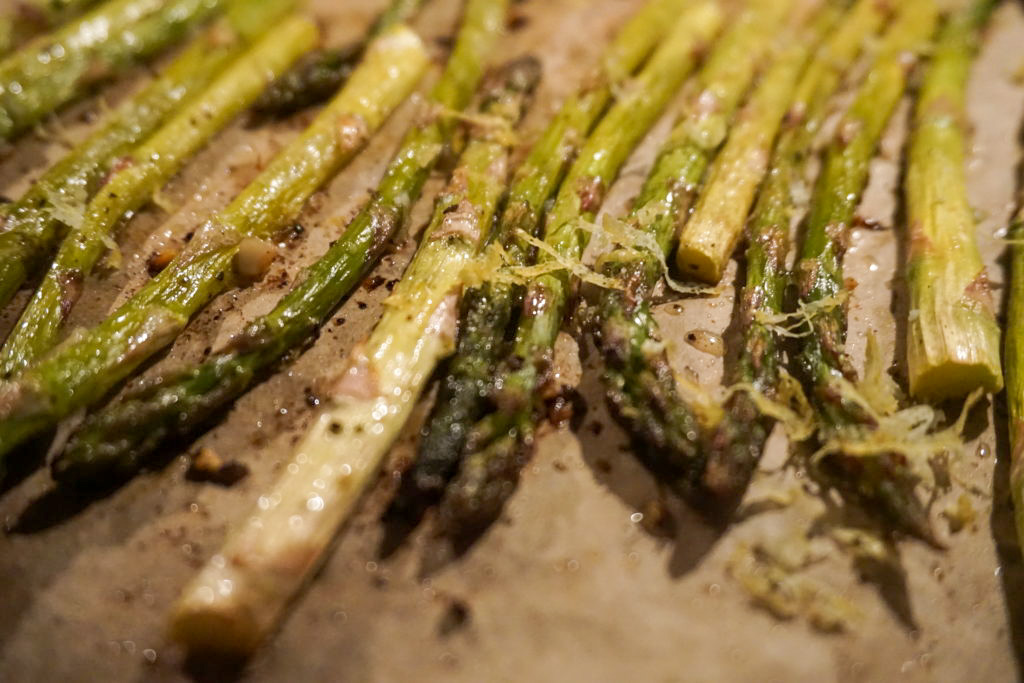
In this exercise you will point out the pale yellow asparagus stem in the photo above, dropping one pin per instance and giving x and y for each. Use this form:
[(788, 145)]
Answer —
[(713, 232), (271, 556), (953, 337), (237, 598), (242, 591)]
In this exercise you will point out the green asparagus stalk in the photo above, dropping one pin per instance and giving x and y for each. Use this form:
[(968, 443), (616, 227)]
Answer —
[(146, 169), (884, 480), (953, 337), (1015, 368), (738, 441), (30, 17), (56, 68), (640, 385), (113, 442), (319, 74), (711, 235), (488, 309), (271, 556), (31, 226), (227, 251), (501, 440)]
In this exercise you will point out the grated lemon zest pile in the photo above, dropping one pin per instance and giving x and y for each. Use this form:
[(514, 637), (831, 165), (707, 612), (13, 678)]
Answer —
[(114, 259), (559, 262), (790, 408), (634, 242), (775, 586), (67, 205), (862, 544), (878, 388), (497, 128), (912, 432)]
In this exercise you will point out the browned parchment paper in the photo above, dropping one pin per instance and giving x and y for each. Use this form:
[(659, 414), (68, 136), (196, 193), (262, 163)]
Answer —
[(567, 586)]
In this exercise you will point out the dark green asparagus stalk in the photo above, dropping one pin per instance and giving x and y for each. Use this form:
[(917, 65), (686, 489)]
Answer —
[(320, 73), (150, 165), (884, 481), (488, 309), (502, 440), (31, 226), (30, 17), (738, 441), (227, 251), (640, 385), (114, 441), (1015, 368), (56, 68)]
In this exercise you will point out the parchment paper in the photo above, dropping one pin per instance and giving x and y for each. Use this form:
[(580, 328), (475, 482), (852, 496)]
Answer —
[(568, 586)]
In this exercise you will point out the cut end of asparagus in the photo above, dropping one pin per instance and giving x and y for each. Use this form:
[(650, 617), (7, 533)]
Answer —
[(211, 619), (952, 379), (700, 260)]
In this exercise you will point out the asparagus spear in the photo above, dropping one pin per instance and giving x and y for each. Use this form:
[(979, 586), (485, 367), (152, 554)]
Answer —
[(226, 251), (29, 17), (31, 226), (488, 309), (501, 440), (116, 439), (1015, 368), (269, 558), (639, 381), (884, 480), (320, 73), (737, 442), (147, 168), (710, 236), (953, 336), (55, 68)]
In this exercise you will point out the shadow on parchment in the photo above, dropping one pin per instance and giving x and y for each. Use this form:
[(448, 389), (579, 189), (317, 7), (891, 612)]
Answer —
[(23, 462), (203, 668), (1004, 537), (610, 459), (56, 527), (1002, 524), (608, 453), (56, 506), (887, 574)]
